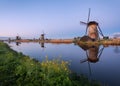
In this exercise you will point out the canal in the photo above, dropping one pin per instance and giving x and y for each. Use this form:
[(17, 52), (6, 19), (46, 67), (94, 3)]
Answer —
[(100, 63)]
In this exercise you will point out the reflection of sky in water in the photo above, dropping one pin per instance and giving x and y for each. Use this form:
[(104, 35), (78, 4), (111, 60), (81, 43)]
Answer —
[(105, 70)]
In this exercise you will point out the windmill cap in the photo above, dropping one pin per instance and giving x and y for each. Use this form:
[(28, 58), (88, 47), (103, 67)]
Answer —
[(92, 23)]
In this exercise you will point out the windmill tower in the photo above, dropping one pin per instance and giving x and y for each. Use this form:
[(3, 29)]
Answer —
[(92, 29), (42, 37), (18, 37)]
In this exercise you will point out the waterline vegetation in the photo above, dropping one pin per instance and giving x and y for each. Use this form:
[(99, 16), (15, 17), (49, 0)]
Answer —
[(17, 69)]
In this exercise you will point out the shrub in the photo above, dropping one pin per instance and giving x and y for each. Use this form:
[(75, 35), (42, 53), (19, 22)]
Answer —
[(17, 69)]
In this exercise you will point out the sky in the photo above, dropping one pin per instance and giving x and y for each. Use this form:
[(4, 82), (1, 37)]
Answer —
[(57, 18)]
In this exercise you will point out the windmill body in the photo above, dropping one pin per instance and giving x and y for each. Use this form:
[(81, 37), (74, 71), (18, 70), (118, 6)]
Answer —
[(92, 30), (42, 37)]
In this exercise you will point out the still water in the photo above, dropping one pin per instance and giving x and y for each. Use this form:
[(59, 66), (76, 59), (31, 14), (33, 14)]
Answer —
[(95, 62)]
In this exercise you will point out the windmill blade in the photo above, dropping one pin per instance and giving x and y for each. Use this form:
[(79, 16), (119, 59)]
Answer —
[(81, 22), (100, 52), (43, 32), (100, 31), (88, 20), (83, 60), (89, 15), (90, 71)]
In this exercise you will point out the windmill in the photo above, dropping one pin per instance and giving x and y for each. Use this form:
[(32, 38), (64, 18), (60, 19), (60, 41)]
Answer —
[(17, 40), (18, 37), (42, 37), (42, 40), (92, 29)]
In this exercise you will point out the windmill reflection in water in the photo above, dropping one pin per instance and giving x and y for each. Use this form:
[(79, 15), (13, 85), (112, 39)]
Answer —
[(93, 54)]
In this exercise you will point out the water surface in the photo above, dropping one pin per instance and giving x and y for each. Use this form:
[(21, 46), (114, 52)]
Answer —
[(100, 63)]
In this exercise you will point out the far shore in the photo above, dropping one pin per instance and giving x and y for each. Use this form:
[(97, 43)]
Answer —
[(69, 41)]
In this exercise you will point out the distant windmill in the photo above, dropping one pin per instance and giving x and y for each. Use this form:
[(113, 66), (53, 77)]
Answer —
[(42, 37), (18, 37), (92, 28)]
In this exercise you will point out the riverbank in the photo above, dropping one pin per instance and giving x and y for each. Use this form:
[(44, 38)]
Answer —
[(17, 69), (69, 41), (45, 41), (99, 42)]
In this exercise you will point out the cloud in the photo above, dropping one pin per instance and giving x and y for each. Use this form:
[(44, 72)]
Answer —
[(116, 35)]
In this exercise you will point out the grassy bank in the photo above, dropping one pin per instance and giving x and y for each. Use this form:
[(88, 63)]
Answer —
[(17, 69)]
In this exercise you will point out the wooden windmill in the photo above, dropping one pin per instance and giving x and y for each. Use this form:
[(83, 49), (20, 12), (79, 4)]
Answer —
[(18, 37), (92, 29), (42, 37)]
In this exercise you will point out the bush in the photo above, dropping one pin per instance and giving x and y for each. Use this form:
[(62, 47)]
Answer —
[(17, 69)]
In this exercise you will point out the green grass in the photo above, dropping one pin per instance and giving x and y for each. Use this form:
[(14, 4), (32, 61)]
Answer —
[(17, 69)]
